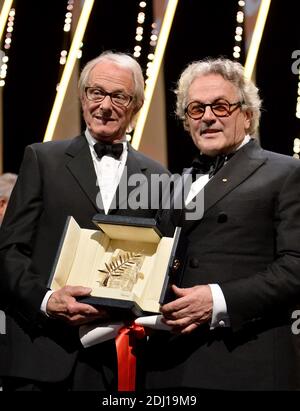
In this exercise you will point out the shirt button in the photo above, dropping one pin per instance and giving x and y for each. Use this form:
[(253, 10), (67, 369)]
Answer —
[(222, 323)]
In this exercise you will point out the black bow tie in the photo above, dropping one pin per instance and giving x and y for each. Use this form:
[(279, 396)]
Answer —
[(102, 149), (204, 164)]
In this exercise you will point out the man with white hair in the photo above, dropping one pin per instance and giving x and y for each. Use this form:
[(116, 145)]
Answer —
[(78, 177), (231, 321), (7, 182)]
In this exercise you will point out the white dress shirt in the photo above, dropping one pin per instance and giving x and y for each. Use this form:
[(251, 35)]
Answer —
[(109, 171)]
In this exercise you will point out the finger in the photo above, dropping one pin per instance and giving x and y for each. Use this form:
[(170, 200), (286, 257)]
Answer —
[(190, 328), (182, 330), (182, 322), (73, 320), (77, 291), (75, 307), (180, 292), (177, 305), (176, 315), (76, 318), (80, 320)]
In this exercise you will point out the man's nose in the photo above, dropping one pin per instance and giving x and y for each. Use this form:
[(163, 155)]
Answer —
[(208, 114), (106, 103)]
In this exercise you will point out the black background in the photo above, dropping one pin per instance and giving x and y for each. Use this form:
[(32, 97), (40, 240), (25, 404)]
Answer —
[(200, 29)]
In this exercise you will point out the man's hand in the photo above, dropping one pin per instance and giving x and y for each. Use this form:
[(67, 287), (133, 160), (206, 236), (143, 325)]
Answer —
[(62, 304), (192, 308)]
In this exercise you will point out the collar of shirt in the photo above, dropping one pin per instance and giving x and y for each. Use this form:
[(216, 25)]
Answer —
[(92, 141), (108, 170), (246, 140), (199, 184)]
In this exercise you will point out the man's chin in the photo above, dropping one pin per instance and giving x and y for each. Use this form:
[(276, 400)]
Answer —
[(105, 135), (210, 149), (105, 138)]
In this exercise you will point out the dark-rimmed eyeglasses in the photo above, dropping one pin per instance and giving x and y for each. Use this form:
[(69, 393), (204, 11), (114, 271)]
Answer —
[(196, 110), (96, 94)]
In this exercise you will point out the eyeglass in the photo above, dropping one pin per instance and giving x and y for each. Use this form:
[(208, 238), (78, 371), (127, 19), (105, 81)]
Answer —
[(196, 110), (118, 99)]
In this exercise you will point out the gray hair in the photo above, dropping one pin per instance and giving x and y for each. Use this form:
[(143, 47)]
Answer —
[(7, 182), (122, 60), (229, 70)]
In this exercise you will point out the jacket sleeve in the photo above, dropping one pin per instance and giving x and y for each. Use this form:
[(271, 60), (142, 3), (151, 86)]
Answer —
[(275, 290), (21, 289)]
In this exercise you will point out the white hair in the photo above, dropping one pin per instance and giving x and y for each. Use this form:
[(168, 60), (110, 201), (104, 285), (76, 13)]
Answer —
[(229, 70), (7, 182), (122, 60)]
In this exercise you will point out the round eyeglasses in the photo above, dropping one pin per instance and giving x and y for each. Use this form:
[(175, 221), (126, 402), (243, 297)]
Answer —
[(96, 94), (196, 110)]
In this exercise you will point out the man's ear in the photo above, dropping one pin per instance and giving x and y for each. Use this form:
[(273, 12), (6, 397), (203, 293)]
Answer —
[(137, 108), (186, 125), (247, 118), (134, 116), (82, 100)]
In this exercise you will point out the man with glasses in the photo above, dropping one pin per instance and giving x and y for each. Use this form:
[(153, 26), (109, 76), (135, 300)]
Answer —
[(79, 177), (230, 326)]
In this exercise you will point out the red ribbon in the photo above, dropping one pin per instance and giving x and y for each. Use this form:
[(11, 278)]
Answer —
[(125, 344)]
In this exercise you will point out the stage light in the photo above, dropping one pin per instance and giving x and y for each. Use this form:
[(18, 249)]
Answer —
[(256, 37), (4, 15), (151, 81), (68, 69)]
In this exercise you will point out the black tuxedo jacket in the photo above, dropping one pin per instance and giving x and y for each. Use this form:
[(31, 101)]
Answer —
[(248, 242), (56, 179)]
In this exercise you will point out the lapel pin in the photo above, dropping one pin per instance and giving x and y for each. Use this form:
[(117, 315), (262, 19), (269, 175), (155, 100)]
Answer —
[(224, 180)]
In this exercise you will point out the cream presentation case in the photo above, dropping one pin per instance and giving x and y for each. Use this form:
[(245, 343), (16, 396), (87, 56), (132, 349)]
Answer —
[(126, 261)]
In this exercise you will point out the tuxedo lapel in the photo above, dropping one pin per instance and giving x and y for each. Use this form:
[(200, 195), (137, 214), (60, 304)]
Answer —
[(240, 167), (244, 163), (82, 168)]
